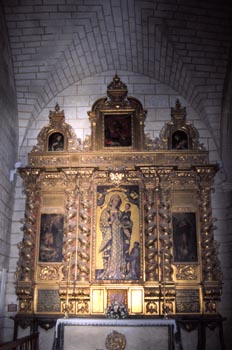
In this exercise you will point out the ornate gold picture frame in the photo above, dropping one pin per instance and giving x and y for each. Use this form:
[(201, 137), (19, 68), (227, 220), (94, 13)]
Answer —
[(118, 243), (51, 238), (118, 130), (185, 237)]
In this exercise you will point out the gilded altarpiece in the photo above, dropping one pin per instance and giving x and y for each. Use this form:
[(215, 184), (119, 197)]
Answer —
[(118, 218)]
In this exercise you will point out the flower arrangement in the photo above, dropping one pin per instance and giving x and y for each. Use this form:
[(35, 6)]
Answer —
[(116, 310)]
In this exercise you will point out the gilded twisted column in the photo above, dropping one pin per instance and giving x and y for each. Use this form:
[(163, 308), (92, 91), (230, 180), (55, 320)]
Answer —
[(150, 234), (84, 227), (167, 289), (211, 269), (210, 263), (69, 241), (25, 265), (164, 226), (70, 236)]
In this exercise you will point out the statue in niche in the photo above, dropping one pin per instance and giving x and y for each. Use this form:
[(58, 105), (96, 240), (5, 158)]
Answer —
[(179, 140), (116, 227), (56, 142)]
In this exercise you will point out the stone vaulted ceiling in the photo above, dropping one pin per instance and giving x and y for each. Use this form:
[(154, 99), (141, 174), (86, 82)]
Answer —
[(184, 44)]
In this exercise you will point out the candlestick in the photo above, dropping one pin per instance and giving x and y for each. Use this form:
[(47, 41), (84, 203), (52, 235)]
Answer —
[(69, 268), (164, 287), (66, 310), (74, 287), (163, 278), (75, 266)]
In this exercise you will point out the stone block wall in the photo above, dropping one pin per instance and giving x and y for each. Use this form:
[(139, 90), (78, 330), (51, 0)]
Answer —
[(8, 158)]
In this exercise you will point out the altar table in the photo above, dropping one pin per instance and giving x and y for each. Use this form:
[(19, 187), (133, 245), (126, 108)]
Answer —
[(91, 334)]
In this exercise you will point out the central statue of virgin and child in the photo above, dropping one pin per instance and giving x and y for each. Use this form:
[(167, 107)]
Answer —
[(116, 227)]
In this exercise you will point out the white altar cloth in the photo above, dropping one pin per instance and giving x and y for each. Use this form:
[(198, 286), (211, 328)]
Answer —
[(115, 322), (90, 334)]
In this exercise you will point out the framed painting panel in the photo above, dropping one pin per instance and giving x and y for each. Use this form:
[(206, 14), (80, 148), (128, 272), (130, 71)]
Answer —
[(118, 246), (185, 237), (51, 237), (117, 295), (48, 300), (118, 130), (180, 140), (56, 142)]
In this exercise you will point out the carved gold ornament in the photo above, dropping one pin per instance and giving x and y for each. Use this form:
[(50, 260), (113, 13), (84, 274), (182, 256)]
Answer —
[(117, 175), (115, 341), (186, 272)]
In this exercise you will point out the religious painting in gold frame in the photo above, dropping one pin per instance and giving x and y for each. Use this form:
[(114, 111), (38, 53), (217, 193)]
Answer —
[(118, 243), (51, 237), (118, 130), (185, 237), (117, 295), (56, 142)]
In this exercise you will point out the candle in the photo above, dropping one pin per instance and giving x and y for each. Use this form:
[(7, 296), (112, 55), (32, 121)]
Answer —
[(163, 266)]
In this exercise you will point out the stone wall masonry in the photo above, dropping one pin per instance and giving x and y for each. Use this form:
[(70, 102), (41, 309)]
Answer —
[(221, 204), (15, 237), (56, 44), (8, 152)]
